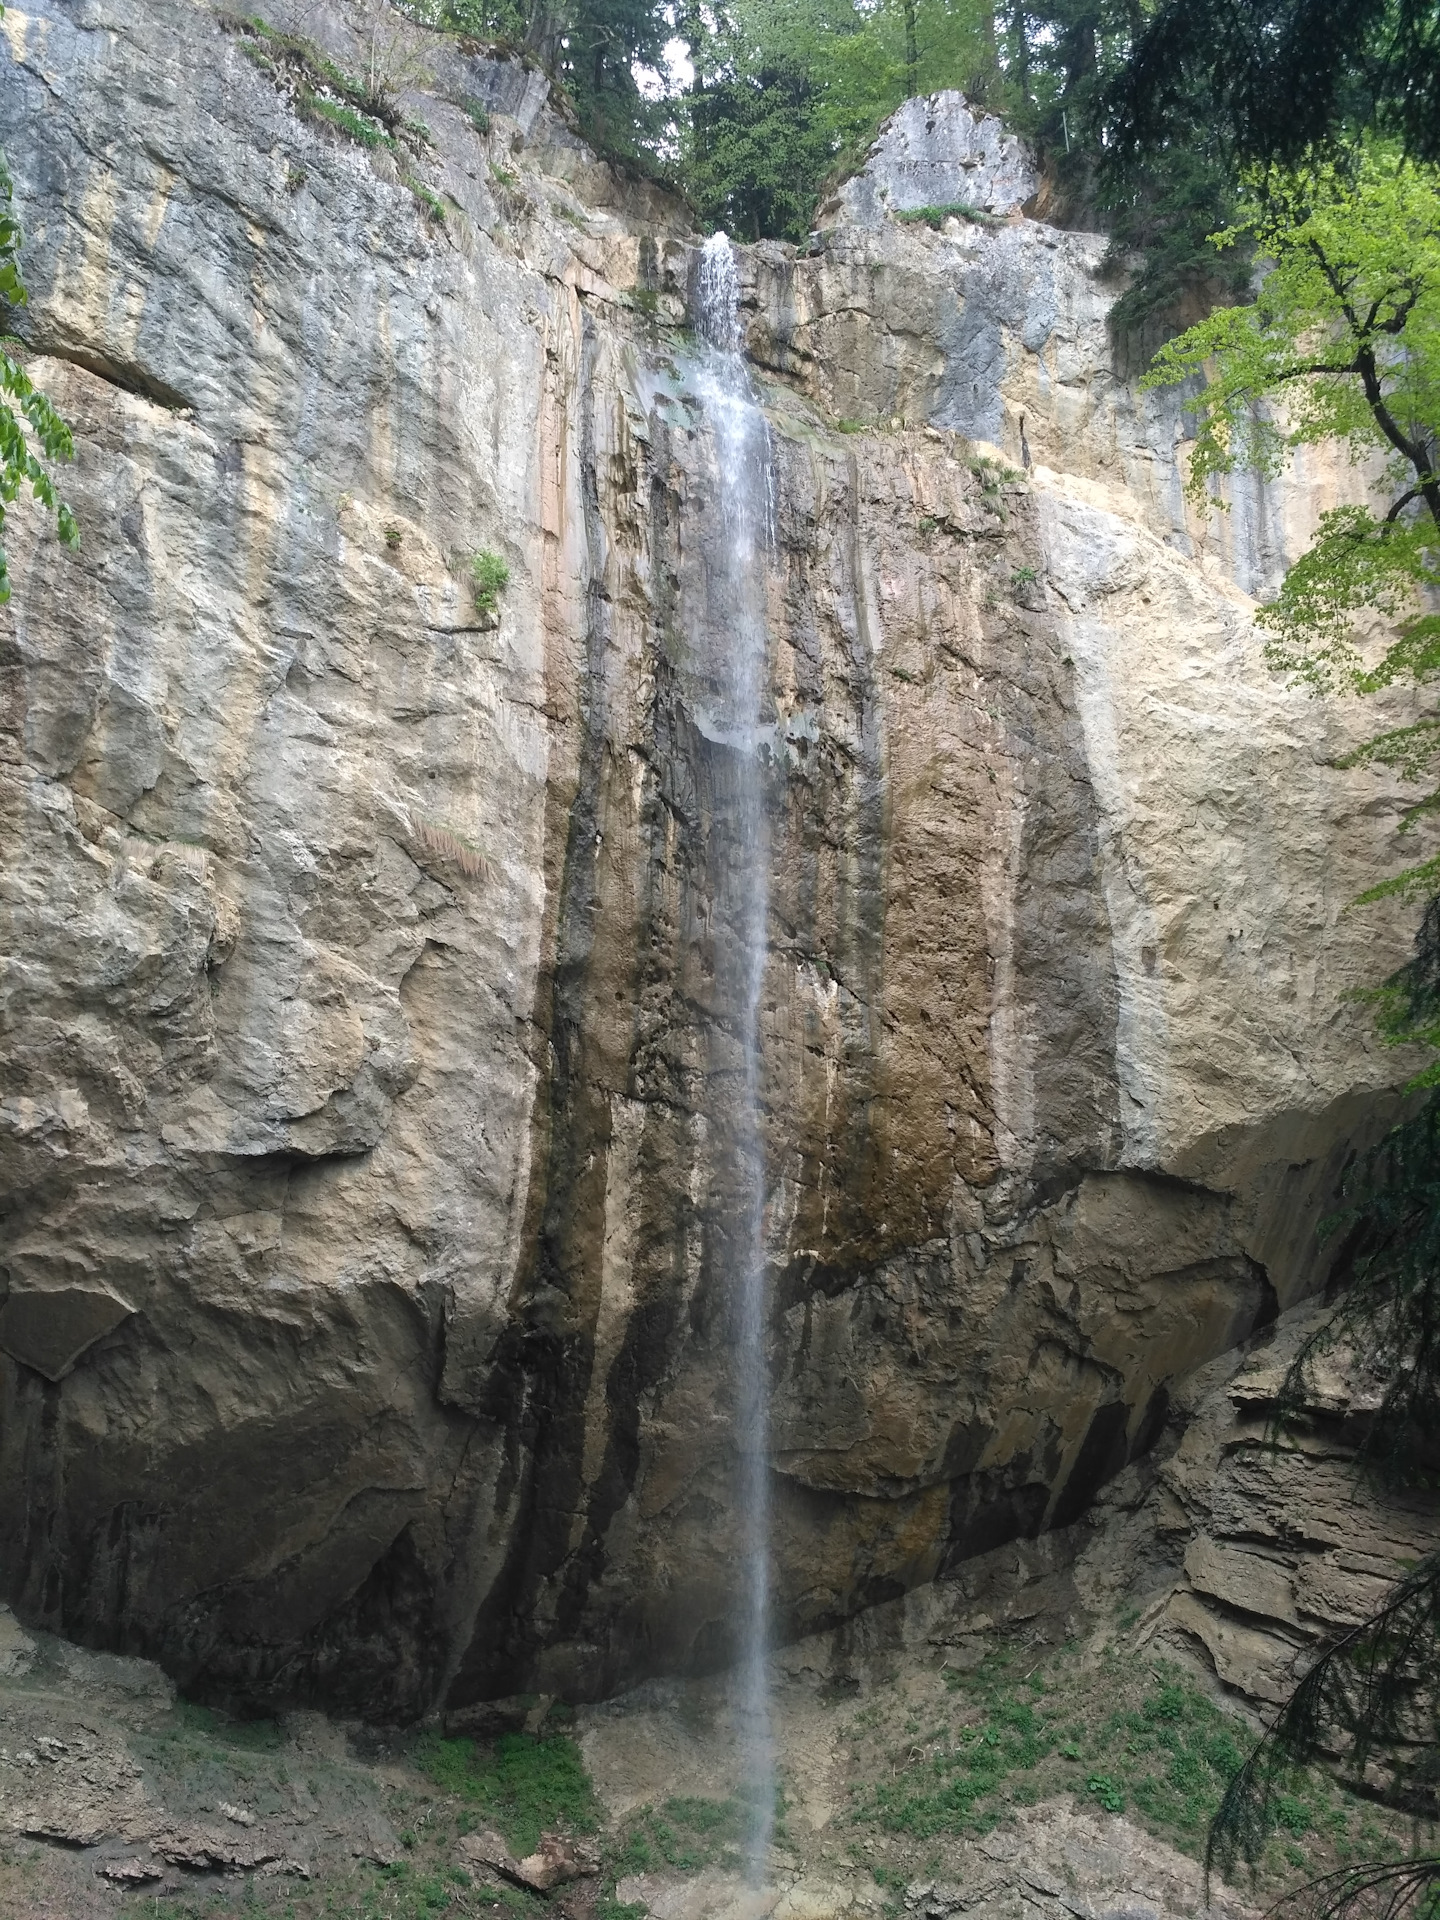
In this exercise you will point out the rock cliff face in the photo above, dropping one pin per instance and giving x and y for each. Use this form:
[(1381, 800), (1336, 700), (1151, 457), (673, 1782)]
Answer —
[(363, 1109)]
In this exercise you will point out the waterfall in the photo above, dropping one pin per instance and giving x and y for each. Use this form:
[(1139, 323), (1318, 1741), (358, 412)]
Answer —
[(743, 481)]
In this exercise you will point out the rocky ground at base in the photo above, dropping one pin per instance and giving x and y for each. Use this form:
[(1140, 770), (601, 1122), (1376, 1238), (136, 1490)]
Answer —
[(1044, 1732), (118, 1798)]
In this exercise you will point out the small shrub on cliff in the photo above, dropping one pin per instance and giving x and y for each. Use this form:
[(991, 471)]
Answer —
[(363, 110), (18, 465), (430, 204), (489, 577), (354, 125), (935, 217), (432, 837)]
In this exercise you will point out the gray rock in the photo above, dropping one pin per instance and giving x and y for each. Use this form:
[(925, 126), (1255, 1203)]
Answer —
[(48, 1328), (937, 151)]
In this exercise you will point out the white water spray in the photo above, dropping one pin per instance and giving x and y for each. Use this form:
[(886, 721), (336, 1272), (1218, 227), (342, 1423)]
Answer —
[(743, 469)]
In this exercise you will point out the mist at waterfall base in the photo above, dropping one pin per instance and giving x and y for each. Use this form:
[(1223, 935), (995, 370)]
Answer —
[(722, 385)]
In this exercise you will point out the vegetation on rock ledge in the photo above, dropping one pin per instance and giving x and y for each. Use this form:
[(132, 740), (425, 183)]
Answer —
[(19, 467)]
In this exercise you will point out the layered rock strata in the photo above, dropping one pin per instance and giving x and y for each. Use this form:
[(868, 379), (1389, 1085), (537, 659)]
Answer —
[(1237, 1547), (365, 1331)]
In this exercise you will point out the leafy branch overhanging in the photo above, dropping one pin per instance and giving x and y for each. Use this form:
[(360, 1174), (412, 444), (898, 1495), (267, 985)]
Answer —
[(1342, 343), (18, 465)]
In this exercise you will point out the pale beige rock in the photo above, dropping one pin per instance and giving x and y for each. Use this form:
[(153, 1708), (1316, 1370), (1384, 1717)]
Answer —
[(131, 1872), (1251, 1661), (1245, 1581), (557, 1860)]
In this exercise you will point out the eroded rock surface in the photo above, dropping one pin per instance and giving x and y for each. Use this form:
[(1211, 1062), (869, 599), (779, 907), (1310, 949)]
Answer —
[(1285, 1544), (1055, 1861), (366, 1057), (1234, 1547)]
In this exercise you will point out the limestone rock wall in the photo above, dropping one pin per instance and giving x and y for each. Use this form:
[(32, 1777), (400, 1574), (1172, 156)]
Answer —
[(1280, 1548), (364, 1074)]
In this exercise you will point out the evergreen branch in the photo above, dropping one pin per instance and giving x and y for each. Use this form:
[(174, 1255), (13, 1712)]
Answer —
[(1376, 1687), (1349, 1892)]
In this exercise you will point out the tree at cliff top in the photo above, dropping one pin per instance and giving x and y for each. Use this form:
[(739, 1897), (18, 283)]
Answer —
[(19, 467), (1282, 79), (1206, 86), (788, 93), (785, 96), (593, 47), (1343, 343)]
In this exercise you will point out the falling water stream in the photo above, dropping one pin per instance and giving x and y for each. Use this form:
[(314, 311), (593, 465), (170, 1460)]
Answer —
[(743, 481)]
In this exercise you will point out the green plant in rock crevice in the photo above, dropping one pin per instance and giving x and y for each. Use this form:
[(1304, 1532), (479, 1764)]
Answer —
[(489, 577), (354, 125), (935, 217), (321, 91), (433, 205), (19, 467)]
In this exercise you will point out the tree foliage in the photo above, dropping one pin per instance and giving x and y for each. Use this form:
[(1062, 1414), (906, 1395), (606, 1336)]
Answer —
[(19, 466), (592, 47), (1372, 1701), (1342, 342), (1280, 80), (785, 96), (788, 92)]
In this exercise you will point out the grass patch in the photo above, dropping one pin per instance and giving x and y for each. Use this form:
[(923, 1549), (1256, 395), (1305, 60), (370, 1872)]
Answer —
[(1124, 1733), (935, 217), (524, 1784), (433, 205), (993, 474), (686, 1834), (356, 126), (318, 89)]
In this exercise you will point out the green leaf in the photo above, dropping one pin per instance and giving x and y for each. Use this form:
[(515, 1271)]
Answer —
[(18, 465)]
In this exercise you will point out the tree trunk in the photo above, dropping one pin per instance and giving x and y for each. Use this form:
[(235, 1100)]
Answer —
[(1020, 49)]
